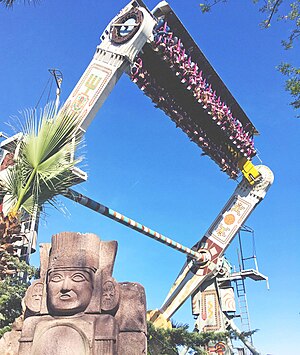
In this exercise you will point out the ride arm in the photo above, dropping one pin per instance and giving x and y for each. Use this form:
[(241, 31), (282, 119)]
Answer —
[(122, 40), (216, 240)]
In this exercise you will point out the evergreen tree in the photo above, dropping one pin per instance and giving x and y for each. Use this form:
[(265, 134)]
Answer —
[(167, 341)]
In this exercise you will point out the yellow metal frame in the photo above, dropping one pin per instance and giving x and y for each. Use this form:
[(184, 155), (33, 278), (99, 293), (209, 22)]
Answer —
[(249, 170), (158, 319)]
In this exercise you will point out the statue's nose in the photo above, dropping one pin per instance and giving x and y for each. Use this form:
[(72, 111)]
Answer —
[(66, 286)]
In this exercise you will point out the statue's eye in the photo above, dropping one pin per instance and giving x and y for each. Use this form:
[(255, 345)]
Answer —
[(78, 277), (56, 278)]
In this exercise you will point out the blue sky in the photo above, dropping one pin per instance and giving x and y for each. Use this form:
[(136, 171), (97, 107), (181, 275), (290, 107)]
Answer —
[(142, 166)]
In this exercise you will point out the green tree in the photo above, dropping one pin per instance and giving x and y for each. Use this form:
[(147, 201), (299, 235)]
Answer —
[(275, 9), (166, 341), (12, 290)]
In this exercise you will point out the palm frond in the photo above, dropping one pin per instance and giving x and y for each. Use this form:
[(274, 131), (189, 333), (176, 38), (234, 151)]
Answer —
[(43, 166)]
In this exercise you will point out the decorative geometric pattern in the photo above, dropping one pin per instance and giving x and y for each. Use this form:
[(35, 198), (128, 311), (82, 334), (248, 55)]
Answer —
[(229, 219), (210, 311), (88, 89), (238, 208), (219, 348), (221, 231), (228, 222), (227, 299)]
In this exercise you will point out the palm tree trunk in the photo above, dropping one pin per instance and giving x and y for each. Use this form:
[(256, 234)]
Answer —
[(9, 230)]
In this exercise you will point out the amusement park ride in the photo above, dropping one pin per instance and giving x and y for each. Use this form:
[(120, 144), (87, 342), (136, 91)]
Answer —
[(144, 44)]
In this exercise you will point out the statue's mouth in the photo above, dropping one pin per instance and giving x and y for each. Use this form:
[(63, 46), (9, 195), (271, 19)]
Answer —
[(65, 296)]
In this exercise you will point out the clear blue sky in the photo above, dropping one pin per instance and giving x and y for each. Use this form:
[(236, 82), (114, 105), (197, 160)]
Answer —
[(141, 165)]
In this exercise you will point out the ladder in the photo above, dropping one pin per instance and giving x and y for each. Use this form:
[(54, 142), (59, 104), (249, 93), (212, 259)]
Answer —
[(241, 289), (243, 305)]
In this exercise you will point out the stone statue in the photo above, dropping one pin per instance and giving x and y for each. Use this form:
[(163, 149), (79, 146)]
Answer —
[(77, 307)]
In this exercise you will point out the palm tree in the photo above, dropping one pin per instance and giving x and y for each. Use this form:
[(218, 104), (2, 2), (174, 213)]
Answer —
[(42, 170)]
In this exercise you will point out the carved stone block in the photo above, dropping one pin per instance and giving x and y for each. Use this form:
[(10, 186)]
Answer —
[(77, 307)]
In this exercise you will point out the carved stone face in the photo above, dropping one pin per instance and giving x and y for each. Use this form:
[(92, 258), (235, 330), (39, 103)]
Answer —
[(37, 292), (69, 291), (108, 294)]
